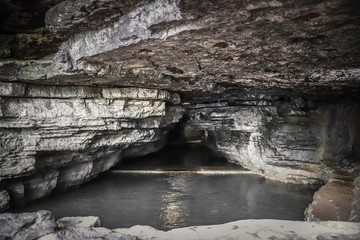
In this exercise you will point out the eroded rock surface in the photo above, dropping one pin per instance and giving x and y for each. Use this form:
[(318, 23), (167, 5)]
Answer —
[(337, 200), (41, 225), (4, 200), (254, 229), (278, 82), (26, 225), (207, 46), (287, 140), (59, 137)]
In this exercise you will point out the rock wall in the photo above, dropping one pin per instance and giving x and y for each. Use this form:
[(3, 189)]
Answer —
[(57, 137), (290, 140)]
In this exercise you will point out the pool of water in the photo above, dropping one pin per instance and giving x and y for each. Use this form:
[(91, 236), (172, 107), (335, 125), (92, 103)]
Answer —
[(167, 201)]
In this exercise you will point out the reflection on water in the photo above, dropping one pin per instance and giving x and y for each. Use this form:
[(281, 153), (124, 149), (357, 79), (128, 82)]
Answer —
[(175, 202), (167, 201)]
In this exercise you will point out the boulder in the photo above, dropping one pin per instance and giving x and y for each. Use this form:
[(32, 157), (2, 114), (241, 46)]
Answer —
[(26, 226)]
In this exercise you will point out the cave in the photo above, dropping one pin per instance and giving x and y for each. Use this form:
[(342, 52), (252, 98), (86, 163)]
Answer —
[(192, 111), (187, 148)]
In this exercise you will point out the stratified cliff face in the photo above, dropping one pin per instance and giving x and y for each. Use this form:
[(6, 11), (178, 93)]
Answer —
[(290, 140), (56, 137), (273, 84)]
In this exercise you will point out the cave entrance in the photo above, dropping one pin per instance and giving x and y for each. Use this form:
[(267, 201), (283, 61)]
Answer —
[(187, 148), (195, 186)]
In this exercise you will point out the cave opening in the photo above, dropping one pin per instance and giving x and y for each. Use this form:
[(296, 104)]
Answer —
[(185, 183), (187, 148)]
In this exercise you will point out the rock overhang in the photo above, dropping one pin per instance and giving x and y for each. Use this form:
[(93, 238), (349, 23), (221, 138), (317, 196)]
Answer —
[(206, 46)]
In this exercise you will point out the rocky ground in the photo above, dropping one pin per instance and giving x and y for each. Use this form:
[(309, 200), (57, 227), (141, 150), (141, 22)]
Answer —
[(42, 225)]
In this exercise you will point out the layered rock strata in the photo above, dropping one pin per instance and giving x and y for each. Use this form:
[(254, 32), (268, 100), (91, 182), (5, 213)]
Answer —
[(208, 46), (42, 225), (289, 140), (280, 81), (56, 137)]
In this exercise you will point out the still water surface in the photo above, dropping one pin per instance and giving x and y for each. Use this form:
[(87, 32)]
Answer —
[(167, 201)]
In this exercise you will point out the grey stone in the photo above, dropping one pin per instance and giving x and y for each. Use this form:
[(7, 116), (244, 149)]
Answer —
[(4, 200), (26, 225), (61, 136), (290, 146), (129, 29), (41, 225), (75, 222), (88, 233), (254, 229), (267, 45), (40, 184), (74, 175), (275, 77), (355, 202)]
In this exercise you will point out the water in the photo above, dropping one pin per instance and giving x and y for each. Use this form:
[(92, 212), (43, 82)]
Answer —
[(167, 201)]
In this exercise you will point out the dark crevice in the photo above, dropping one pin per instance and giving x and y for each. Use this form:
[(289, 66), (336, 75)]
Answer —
[(188, 147)]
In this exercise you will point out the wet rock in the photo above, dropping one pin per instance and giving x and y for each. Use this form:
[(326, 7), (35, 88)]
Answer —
[(26, 225), (331, 203), (338, 199)]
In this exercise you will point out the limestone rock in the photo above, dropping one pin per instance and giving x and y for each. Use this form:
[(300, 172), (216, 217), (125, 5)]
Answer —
[(4, 200), (274, 84), (332, 202), (41, 225), (242, 45), (254, 229), (288, 145), (26, 225), (57, 137), (355, 202), (87, 222), (73, 16), (16, 190), (87, 234), (338, 199), (40, 184)]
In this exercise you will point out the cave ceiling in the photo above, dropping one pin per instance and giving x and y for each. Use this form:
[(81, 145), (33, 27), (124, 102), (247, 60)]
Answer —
[(203, 48)]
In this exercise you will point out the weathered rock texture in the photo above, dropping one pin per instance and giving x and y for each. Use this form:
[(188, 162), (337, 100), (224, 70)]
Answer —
[(284, 139), (278, 82), (337, 200), (56, 137), (42, 225), (207, 46), (26, 225)]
